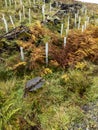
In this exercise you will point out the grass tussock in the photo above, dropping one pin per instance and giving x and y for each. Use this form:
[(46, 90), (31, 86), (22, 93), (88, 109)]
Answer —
[(59, 100)]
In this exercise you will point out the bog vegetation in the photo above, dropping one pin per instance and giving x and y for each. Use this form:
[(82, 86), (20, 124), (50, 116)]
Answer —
[(38, 39)]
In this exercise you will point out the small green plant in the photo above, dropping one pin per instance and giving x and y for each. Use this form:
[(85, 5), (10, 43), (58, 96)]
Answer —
[(57, 118), (7, 113), (5, 73), (77, 82)]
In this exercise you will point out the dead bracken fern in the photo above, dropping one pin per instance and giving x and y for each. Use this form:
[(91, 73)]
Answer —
[(80, 46)]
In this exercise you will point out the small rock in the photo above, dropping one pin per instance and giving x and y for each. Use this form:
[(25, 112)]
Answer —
[(31, 83), (34, 84), (39, 85)]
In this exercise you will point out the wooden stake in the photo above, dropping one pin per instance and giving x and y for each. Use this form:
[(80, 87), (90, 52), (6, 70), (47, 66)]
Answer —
[(5, 23), (64, 42), (22, 53), (46, 51), (6, 3), (12, 21), (29, 15)]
